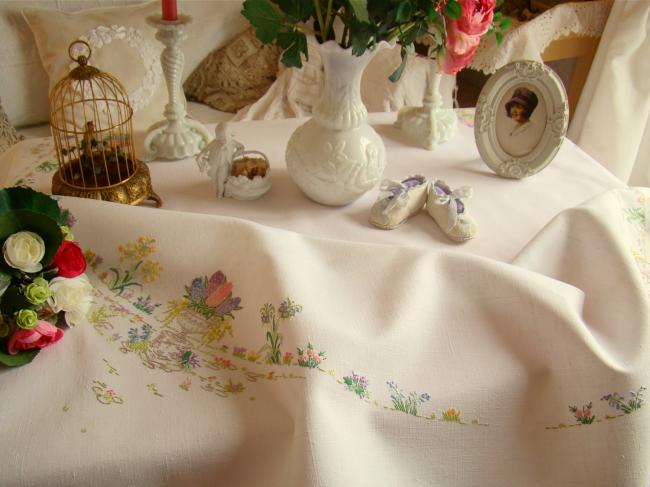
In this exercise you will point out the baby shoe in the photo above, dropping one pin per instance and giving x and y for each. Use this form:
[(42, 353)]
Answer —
[(449, 210), (398, 200)]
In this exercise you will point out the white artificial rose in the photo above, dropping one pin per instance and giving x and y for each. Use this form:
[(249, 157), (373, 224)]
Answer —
[(72, 295), (24, 251)]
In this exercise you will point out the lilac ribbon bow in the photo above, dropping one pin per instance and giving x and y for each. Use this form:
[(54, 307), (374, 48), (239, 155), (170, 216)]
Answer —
[(454, 198), (394, 193)]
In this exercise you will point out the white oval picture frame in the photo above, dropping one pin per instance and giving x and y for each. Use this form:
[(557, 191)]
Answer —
[(521, 119)]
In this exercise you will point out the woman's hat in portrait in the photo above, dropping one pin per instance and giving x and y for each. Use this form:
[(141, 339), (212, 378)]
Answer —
[(524, 97)]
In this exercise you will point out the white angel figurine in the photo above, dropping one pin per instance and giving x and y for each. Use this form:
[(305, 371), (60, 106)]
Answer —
[(216, 158)]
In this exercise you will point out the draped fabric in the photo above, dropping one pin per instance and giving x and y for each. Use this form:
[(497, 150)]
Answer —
[(223, 352), (612, 119)]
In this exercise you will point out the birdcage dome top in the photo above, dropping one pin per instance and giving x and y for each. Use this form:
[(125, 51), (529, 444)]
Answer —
[(88, 94)]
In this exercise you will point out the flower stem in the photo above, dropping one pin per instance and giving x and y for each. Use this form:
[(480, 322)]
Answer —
[(319, 15), (328, 19)]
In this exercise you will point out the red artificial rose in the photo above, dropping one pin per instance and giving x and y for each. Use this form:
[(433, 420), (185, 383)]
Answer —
[(69, 260), (41, 336)]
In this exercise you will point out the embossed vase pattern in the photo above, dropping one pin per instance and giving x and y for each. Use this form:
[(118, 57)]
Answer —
[(335, 157)]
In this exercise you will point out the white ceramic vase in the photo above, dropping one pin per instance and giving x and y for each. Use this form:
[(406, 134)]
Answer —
[(335, 157)]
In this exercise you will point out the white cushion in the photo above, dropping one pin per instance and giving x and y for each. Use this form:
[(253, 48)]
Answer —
[(24, 83)]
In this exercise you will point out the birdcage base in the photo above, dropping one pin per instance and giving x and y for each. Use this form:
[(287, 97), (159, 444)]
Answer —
[(132, 191)]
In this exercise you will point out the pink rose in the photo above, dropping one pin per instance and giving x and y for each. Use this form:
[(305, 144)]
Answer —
[(460, 49), (42, 335), (464, 34), (476, 16)]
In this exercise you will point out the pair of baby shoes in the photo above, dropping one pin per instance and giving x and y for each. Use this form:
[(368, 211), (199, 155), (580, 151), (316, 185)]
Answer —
[(399, 200)]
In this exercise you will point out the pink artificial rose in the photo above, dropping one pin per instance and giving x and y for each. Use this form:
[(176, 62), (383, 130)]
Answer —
[(464, 34), (476, 16), (460, 49), (41, 336)]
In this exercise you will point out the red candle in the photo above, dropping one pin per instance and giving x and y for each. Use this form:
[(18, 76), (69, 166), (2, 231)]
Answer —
[(169, 10)]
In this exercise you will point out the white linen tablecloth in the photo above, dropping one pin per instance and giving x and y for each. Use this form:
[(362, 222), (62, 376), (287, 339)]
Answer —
[(396, 365), (509, 212)]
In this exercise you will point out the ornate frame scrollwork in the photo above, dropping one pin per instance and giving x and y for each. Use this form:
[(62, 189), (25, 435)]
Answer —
[(552, 95)]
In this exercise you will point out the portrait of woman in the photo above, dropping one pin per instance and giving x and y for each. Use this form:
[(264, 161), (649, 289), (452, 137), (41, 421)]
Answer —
[(521, 120), (520, 108)]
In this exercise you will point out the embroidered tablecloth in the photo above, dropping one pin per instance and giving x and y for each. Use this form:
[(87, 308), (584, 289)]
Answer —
[(223, 352)]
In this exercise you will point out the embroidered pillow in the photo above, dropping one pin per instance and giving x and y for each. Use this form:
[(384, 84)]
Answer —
[(8, 135), (124, 45), (236, 75)]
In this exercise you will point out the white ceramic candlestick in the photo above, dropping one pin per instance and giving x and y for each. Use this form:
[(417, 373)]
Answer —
[(430, 124), (177, 137)]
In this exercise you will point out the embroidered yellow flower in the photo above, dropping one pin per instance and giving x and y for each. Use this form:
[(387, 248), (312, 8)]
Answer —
[(138, 250), (150, 270), (451, 414), (175, 309), (234, 388)]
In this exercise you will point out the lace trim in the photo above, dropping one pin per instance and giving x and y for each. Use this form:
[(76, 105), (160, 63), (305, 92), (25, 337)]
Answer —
[(102, 35), (528, 40), (8, 135)]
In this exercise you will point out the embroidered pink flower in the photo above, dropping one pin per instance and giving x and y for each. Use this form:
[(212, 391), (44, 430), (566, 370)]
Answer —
[(41, 336), (219, 295)]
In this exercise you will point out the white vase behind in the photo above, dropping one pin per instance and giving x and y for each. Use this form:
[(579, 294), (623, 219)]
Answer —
[(336, 156)]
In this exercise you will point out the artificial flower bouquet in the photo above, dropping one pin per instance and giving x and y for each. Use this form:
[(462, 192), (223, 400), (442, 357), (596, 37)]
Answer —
[(452, 28), (43, 285)]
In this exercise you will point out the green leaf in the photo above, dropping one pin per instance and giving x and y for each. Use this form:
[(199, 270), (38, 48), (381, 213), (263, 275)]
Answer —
[(497, 16), (13, 300), (453, 10), (404, 11), (431, 11), (361, 34), (293, 44), (20, 358), (19, 198), (405, 54), (505, 23), (264, 17), (360, 9), (5, 281), (299, 10), (499, 37)]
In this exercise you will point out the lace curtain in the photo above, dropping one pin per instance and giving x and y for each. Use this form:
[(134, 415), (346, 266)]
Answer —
[(612, 119)]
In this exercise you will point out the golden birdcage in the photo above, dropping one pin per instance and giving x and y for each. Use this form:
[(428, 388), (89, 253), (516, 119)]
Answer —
[(91, 124)]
